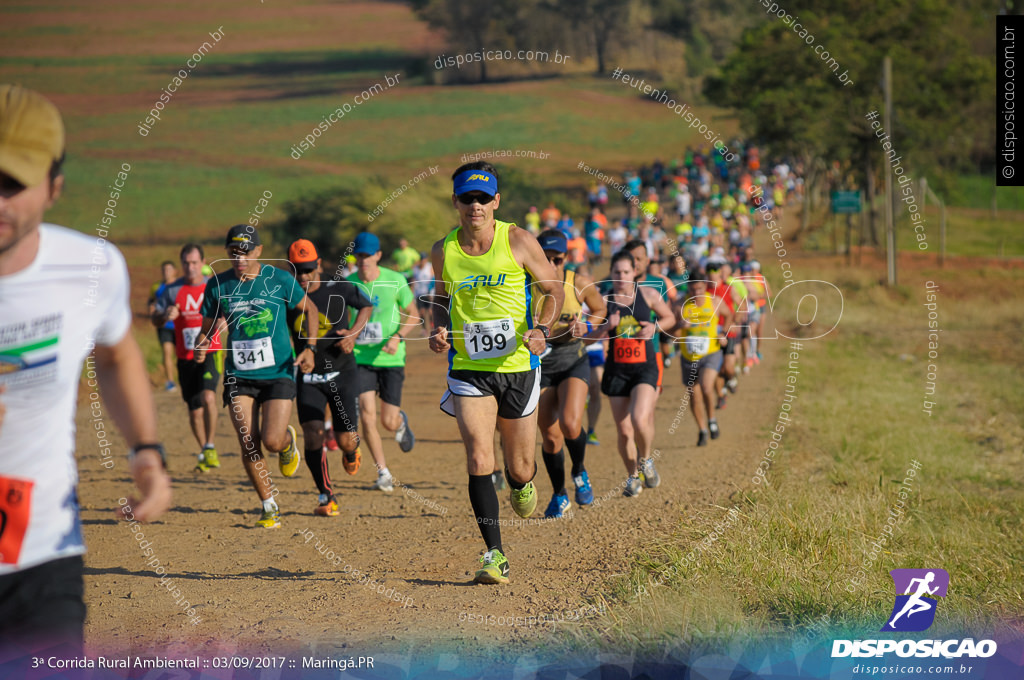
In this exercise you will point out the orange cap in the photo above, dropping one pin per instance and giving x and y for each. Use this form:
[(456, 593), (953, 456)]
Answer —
[(302, 252)]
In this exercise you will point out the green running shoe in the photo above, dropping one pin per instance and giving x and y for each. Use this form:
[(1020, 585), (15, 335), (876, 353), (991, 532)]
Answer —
[(289, 459), (209, 458), (524, 501), (495, 569), (270, 519)]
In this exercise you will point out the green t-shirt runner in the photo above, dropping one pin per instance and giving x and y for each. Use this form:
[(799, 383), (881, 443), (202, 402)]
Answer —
[(389, 293), (259, 345), (405, 259)]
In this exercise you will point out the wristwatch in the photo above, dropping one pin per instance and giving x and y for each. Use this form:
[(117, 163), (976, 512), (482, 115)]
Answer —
[(544, 329), (159, 448)]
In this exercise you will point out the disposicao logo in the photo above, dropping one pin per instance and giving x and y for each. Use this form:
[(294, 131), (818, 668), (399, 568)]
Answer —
[(913, 611)]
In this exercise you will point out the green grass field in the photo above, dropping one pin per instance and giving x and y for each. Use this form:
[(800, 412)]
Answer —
[(784, 561), (225, 138)]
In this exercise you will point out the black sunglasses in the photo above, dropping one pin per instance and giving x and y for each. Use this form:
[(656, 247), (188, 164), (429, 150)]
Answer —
[(468, 198), (556, 260)]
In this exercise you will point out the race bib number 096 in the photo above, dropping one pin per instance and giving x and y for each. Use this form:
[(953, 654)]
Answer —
[(249, 355), (629, 351), (489, 339)]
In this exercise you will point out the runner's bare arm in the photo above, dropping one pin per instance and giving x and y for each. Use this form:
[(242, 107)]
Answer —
[(347, 338), (411, 322), (441, 302), (725, 318), (307, 356), (205, 338), (591, 296), (121, 372), (666, 321)]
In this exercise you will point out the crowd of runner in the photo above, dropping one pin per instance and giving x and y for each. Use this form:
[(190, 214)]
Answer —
[(537, 324), (674, 279)]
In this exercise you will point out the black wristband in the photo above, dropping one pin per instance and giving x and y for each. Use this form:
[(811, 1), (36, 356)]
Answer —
[(159, 448), (544, 329)]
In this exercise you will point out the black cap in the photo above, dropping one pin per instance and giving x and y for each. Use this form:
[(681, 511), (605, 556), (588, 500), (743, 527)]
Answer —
[(244, 236)]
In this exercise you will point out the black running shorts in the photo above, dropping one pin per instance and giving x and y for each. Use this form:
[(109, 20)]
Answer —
[(564, 362), (194, 378), (340, 390), (620, 383), (260, 390), (517, 393), (43, 605), (384, 380)]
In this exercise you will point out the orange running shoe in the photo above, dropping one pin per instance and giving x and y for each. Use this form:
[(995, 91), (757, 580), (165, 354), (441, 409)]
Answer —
[(351, 461)]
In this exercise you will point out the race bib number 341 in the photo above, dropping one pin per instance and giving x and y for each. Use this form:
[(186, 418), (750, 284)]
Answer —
[(249, 355), (489, 339)]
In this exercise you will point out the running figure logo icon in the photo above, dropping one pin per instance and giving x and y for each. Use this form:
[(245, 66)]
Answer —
[(914, 610)]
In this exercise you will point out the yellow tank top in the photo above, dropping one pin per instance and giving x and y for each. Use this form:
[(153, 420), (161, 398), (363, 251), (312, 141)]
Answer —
[(490, 299), (571, 309), (701, 338)]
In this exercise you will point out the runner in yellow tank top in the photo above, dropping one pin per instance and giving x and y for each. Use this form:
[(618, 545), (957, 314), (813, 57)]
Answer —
[(482, 318), (565, 371), (701, 314)]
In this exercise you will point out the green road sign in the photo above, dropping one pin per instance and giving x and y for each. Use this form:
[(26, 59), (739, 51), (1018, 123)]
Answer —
[(846, 201)]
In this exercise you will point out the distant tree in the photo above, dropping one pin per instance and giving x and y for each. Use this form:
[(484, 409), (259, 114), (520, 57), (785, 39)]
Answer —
[(602, 22), (472, 27), (790, 99), (710, 28)]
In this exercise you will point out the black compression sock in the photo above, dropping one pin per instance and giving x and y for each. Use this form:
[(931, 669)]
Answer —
[(317, 464), (519, 486), (555, 464), (484, 500), (577, 451)]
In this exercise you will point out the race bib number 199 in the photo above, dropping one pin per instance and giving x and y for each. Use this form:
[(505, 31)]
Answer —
[(488, 339), (249, 355)]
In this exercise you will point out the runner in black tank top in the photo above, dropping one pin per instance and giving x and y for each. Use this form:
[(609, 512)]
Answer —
[(631, 373), (565, 372)]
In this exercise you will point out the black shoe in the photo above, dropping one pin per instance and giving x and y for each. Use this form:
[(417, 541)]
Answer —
[(713, 429), (702, 440)]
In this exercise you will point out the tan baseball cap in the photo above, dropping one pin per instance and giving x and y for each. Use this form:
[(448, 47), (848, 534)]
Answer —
[(31, 134)]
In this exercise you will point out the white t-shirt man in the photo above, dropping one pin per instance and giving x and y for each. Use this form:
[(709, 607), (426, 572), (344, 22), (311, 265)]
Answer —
[(683, 202), (72, 297), (617, 236)]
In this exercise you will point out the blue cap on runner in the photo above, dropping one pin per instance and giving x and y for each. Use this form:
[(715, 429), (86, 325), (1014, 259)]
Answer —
[(366, 244), (475, 180), (555, 242)]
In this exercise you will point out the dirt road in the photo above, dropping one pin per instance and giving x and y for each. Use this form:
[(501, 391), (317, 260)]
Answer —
[(396, 568)]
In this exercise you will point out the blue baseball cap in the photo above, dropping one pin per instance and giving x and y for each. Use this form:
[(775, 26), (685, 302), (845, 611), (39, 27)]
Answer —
[(475, 180), (366, 244), (555, 242)]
